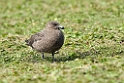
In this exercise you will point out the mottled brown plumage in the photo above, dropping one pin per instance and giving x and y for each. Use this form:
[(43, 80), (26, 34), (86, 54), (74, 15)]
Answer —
[(48, 40)]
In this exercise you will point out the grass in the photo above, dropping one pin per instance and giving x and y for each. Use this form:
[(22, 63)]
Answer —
[(93, 51)]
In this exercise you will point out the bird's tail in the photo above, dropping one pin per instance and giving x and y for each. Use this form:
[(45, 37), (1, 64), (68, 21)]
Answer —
[(27, 42)]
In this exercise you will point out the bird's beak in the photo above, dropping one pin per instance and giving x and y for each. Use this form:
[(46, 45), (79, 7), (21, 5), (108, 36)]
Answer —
[(60, 27)]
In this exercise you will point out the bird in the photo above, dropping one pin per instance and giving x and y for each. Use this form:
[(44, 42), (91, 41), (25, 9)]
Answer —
[(48, 40)]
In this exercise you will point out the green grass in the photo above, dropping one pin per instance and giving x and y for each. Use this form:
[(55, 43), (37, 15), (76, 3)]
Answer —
[(92, 52)]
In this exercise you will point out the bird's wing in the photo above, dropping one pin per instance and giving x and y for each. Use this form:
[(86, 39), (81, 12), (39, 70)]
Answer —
[(34, 38)]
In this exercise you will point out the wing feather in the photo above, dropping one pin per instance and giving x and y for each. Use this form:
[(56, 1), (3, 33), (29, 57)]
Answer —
[(34, 38)]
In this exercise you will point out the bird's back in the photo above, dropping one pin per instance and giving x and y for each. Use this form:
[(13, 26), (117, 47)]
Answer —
[(49, 42)]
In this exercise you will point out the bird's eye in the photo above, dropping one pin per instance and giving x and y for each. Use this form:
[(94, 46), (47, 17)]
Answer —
[(55, 24)]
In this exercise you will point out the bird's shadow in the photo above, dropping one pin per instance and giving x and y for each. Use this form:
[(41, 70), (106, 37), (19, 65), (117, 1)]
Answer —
[(35, 57), (75, 55)]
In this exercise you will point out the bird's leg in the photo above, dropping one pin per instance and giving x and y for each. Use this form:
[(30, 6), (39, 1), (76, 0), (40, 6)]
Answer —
[(53, 57), (42, 55)]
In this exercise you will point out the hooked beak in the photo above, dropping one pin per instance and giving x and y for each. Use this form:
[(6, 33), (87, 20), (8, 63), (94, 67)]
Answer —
[(60, 27)]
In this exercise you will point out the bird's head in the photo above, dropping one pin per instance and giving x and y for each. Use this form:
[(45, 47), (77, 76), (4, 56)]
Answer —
[(54, 25)]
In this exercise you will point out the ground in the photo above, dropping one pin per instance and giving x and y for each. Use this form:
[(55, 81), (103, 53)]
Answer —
[(93, 51)]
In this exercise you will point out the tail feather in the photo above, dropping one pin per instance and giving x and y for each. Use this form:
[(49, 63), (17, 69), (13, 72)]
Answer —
[(27, 43)]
